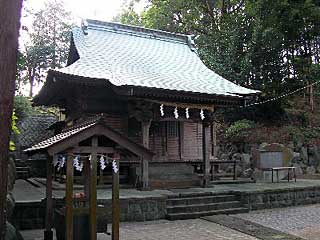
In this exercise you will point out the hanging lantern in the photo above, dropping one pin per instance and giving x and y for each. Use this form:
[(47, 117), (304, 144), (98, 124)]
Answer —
[(202, 114), (161, 110), (187, 113), (175, 112)]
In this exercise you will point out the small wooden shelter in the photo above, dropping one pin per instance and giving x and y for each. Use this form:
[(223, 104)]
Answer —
[(96, 139)]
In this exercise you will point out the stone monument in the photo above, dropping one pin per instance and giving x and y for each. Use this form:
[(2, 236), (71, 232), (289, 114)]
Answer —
[(270, 156)]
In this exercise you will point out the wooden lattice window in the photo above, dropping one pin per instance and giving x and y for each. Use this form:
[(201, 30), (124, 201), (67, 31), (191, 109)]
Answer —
[(173, 129)]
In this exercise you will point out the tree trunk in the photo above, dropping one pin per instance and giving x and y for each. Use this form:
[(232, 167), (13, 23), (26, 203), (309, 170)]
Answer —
[(31, 81), (9, 32)]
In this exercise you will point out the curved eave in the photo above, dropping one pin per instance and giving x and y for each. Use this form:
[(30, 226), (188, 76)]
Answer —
[(49, 94)]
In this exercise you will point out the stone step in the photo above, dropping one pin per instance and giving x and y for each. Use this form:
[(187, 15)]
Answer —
[(231, 181), (20, 163), (203, 207), (201, 199), (182, 216), (22, 174), (191, 194), (22, 169)]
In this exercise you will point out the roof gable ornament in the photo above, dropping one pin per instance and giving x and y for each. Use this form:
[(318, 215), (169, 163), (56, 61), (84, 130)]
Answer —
[(191, 43), (84, 27)]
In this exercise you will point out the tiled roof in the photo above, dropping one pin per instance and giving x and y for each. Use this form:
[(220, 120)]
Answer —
[(59, 137), (82, 125), (34, 129), (134, 56)]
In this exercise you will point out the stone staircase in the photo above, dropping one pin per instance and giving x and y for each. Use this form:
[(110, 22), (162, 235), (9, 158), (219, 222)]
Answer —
[(22, 169), (195, 205)]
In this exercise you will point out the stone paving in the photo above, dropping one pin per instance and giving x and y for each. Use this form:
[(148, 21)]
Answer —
[(24, 191), (303, 221), (193, 229)]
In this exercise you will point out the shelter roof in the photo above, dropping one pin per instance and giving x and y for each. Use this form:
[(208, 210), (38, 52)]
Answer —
[(95, 126), (34, 129), (124, 55)]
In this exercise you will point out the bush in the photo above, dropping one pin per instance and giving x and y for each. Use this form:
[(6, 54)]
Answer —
[(238, 128)]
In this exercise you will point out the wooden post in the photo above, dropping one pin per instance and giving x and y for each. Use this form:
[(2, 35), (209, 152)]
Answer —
[(145, 162), (181, 140), (48, 233), (214, 139), (86, 176), (69, 199), (93, 190), (205, 158), (115, 201)]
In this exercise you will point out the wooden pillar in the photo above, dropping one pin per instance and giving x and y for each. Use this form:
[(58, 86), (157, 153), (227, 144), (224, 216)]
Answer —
[(205, 157), (69, 199), (93, 190), (214, 139), (86, 176), (48, 233), (181, 140), (145, 162), (115, 201)]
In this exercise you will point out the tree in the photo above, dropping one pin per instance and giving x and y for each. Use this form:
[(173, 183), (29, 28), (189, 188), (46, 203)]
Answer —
[(9, 31), (129, 16), (264, 44), (49, 42)]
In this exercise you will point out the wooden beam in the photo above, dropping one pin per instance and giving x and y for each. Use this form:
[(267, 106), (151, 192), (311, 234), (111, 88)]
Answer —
[(85, 149), (205, 157), (181, 140), (48, 234), (69, 199), (93, 189), (214, 139), (115, 201), (209, 107), (145, 162), (86, 176), (100, 130)]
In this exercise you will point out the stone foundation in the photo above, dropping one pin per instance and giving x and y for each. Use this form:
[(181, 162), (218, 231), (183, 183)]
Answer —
[(132, 210), (280, 198), (171, 175)]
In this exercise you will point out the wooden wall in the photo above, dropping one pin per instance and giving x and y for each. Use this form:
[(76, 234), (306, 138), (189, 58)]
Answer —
[(171, 141)]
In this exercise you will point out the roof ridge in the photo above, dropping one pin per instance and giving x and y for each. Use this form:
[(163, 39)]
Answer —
[(83, 123), (141, 31)]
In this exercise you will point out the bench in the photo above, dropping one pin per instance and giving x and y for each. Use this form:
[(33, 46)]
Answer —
[(277, 169), (215, 168)]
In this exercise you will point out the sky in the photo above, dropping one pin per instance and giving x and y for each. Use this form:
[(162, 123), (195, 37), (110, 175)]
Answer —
[(97, 9), (80, 9)]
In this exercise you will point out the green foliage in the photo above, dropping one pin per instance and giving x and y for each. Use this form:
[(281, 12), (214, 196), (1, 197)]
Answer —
[(303, 134), (49, 43), (129, 16), (23, 107), (14, 130), (238, 128), (264, 44)]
